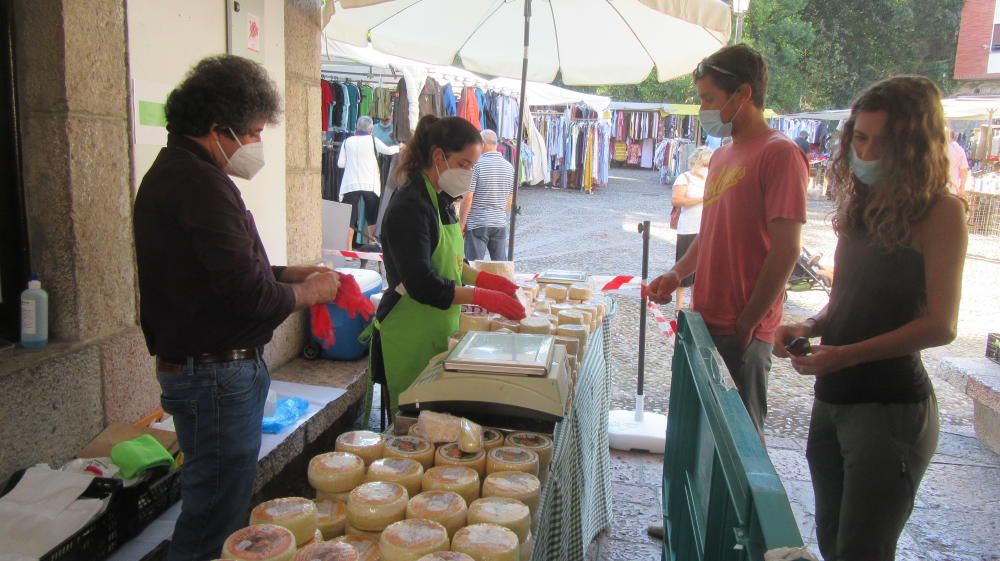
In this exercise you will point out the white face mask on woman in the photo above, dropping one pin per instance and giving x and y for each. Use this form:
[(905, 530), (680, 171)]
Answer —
[(455, 182), (246, 161)]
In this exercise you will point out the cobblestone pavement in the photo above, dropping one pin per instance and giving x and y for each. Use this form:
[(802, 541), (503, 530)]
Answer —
[(957, 515)]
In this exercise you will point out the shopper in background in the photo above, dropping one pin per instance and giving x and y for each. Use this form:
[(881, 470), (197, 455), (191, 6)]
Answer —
[(424, 256), (209, 299), (803, 142), (958, 165), (900, 253), (362, 182), (688, 194), (754, 209), (485, 208)]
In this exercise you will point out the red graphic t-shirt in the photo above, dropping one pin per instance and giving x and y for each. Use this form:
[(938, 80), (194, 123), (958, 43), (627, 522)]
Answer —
[(750, 184)]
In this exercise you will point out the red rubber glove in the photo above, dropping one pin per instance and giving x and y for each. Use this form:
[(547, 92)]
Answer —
[(495, 282), (322, 325), (351, 299), (498, 303)]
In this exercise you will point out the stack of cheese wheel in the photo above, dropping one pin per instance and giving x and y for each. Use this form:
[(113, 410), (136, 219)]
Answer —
[(331, 517), (363, 443), (336, 472), (446, 556), (461, 480), (537, 443), (561, 307), (295, 513), (556, 292), (404, 471), (499, 322), (572, 344), (594, 314), (572, 330), (527, 547), (444, 507), (514, 485), (502, 511), (409, 540), (572, 317), (412, 448), (492, 438), (542, 306), (375, 505), (473, 321), (503, 268), (553, 320), (509, 458), (535, 325), (260, 542), (452, 455), (366, 547), (580, 292), (487, 542), (328, 551)]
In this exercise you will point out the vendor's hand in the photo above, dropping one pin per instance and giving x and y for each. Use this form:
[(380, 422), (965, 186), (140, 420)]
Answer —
[(323, 286), (499, 303), (744, 333), (823, 360), (299, 274), (662, 289), (786, 334), (495, 282)]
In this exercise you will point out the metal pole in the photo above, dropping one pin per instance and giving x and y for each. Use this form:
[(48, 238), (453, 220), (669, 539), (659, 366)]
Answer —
[(739, 26), (639, 405), (520, 131)]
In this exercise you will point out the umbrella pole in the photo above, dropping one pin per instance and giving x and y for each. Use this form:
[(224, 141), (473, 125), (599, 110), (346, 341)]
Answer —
[(520, 131)]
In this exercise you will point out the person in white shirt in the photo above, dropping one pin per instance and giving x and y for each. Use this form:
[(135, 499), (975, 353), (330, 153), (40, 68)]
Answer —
[(689, 190), (362, 183), (959, 165)]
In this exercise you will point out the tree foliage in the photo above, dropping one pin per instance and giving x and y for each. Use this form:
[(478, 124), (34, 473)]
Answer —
[(821, 54)]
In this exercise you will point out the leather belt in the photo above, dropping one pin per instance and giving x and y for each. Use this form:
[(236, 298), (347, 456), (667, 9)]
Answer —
[(174, 364)]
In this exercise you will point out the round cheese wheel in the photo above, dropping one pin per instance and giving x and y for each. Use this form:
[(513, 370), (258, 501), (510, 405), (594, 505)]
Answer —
[(317, 537), (446, 556), (542, 306), (295, 513), (373, 506), (352, 531), (556, 292), (444, 507), (502, 511), (366, 444), (404, 471), (366, 547), (340, 497), (471, 321), (451, 455), (588, 318), (500, 322), (327, 551), (572, 317), (410, 540), (503, 268), (336, 472), (580, 291), (508, 458), (538, 443), (556, 308), (411, 448), (260, 542), (536, 325), (514, 485), (414, 430), (492, 438), (529, 289), (331, 517), (462, 480), (487, 542), (527, 547), (594, 314), (572, 330)]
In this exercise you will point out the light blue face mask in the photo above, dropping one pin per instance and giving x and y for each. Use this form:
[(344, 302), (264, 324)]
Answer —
[(711, 121), (867, 172)]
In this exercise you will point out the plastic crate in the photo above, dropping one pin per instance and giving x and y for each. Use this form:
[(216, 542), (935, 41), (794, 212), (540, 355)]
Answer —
[(993, 347), (101, 536), (144, 502)]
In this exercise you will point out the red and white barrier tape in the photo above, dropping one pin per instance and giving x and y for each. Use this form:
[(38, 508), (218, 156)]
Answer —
[(666, 326)]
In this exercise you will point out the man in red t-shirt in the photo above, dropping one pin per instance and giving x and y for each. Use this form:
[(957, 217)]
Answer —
[(754, 209)]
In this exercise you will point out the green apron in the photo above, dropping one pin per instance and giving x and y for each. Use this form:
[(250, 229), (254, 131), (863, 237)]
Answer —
[(412, 332)]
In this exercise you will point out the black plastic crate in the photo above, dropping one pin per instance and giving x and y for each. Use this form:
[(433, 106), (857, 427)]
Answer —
[(101, 536), (144, 502), (993, 347)]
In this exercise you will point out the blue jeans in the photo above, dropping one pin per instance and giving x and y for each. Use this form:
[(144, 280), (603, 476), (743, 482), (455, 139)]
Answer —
[(217, 410), (481, 243)]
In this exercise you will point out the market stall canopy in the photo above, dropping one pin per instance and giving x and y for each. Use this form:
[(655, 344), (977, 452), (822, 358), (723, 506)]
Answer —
[(591, 42), (539, 94), (640, 106), (955, 109)]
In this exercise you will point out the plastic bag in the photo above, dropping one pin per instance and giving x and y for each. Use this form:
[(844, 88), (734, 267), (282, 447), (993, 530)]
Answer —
[(288, 411)]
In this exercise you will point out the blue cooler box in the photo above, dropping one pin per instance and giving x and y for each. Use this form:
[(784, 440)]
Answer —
[(346, 329)]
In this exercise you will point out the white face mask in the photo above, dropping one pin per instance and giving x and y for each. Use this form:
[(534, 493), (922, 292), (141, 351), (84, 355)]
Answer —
[(455, 182), (246, 161), (711, 121)]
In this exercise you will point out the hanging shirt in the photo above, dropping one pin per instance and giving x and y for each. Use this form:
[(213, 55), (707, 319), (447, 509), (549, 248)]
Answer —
[(327, 101), (448, 101), (383, 132)]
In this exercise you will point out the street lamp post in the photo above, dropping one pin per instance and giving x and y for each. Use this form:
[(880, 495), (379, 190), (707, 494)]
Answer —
[(740, 8)]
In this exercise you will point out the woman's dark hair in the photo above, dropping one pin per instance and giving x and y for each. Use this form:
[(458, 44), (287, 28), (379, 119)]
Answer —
[(228, 90), (451, 134), (731, 67)]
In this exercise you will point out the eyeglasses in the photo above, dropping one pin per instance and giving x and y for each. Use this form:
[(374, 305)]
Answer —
[(699, 71)]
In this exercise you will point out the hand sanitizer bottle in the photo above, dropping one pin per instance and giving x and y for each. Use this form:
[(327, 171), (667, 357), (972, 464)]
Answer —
[(34, 315)]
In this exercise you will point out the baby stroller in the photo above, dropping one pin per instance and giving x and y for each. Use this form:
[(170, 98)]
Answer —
[(809, 275)]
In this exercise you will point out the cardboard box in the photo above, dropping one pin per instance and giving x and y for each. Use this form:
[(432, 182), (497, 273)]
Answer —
[(100, 447)]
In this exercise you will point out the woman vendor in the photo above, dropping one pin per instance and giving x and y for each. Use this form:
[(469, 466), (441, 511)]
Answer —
[(428, 279)]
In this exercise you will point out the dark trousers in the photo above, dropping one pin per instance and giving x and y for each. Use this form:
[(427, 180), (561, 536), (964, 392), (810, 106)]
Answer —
[(217, 410), (866, 461), (749, 369), (482, 243)]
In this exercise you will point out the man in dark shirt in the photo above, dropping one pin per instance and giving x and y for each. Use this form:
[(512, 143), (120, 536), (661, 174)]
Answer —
[(803, 142), (209, 297)]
